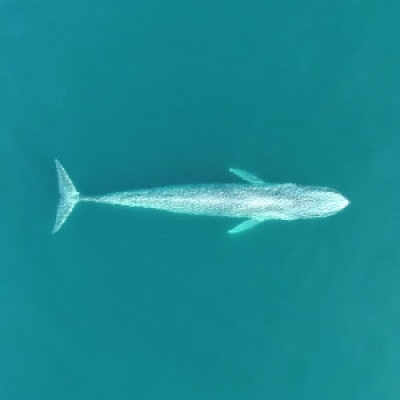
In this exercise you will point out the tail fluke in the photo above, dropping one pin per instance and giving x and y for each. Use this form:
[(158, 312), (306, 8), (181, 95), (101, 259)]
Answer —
[(68, 196)]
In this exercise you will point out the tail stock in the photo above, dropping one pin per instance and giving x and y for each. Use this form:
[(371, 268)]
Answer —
[(68, 196)]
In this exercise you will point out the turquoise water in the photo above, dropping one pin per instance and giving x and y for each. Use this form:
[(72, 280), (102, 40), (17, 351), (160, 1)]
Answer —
[(139, 304)]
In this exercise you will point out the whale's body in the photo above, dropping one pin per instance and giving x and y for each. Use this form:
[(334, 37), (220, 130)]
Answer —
[(255, 201)]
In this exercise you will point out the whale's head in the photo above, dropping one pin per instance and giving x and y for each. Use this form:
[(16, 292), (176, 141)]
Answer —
[(321, 202)]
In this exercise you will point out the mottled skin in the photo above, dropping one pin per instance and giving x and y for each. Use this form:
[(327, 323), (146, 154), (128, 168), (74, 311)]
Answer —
[(280, 201)]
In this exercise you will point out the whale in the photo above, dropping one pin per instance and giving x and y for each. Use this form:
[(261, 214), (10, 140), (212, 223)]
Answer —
[(252, 200)]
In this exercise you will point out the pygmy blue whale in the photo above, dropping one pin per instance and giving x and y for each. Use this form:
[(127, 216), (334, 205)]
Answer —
[(253, 200)]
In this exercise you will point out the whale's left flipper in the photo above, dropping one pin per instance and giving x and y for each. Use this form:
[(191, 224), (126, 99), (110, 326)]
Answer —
[(68, 196), (247, 176), (245, 226)]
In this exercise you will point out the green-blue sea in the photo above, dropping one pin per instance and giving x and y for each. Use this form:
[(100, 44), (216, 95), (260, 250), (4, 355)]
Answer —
[(127, 303)]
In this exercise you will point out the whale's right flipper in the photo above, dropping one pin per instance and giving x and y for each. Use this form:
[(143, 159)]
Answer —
[(68, 196), (245, 226), (246, 176)]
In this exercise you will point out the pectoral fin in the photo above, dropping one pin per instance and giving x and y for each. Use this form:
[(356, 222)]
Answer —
[(245, 226), (246, 176)]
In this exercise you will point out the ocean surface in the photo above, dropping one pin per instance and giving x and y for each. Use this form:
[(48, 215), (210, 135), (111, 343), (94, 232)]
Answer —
[(139, 304)]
